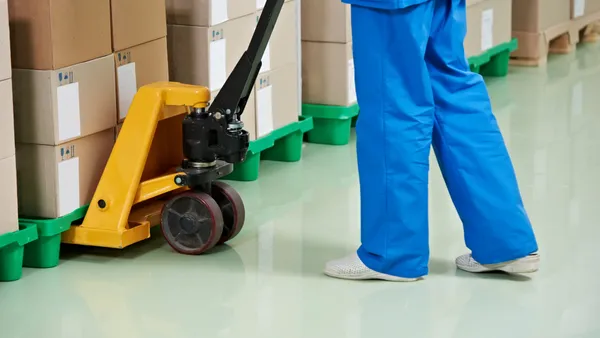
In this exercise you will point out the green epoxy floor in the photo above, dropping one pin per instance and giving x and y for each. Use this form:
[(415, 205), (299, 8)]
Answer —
[(269, 282)]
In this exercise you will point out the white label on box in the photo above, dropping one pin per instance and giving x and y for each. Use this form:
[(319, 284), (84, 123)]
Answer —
[(127, 86), (577, 99), (351, 84), (266, 59), (579, 8), (218, 64), (69, 116), (68, 186), (264, 111), (487, 29), (260, 4), (218, 11)]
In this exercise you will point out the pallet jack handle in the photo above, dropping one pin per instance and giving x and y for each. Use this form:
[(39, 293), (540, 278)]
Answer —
[(236, 90)]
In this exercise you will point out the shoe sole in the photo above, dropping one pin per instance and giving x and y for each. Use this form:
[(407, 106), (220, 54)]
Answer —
[(529, 264), (375, 276)]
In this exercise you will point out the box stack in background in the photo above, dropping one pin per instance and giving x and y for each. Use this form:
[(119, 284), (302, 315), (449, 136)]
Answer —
[(488, 25), (327, 62), (206, 40), (277, 86), (139, 43), (65, 106), (8, 171)]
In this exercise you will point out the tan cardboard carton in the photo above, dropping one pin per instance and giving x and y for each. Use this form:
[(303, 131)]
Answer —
[(535, 23), (260, 4), (7, 125), (138, 66), (283, 45), (207, 13), (488, 25), (137, 21), (326, 21), (53, 34), (9, 218), (277, 99), (54, 181), (580, 8), (5, 64), (55, 106), (206, 56), (328, 74), (535, 16)]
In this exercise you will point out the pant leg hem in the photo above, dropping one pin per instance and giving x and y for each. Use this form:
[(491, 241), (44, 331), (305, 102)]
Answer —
[(375, 266), (504, 256)]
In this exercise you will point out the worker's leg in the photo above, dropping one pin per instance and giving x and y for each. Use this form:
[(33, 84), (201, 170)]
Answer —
[(393, 136), (470, 148)]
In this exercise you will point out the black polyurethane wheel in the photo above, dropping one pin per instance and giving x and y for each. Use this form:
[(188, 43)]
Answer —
[(232, 207), (192, 223)]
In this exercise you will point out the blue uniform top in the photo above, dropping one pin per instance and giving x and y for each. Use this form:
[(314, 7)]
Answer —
[(385, 4)]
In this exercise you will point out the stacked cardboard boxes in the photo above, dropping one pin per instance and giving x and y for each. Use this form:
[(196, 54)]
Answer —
[(277, 86), (327, 61), (488, 25), (206, 40), (64, 101), (8, 171), (139, 43)]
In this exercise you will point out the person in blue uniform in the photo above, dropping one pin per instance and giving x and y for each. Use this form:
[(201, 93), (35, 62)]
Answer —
[(416, 91)]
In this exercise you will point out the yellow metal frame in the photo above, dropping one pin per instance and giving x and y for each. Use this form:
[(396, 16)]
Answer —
[(116, 225)]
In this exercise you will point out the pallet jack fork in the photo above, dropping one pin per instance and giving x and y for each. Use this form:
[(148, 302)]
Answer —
[(197, 212)]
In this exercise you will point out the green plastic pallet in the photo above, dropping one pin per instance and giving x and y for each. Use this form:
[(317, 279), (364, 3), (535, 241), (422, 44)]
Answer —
[(45, 251), (283, 145), (494, 61), (12, 247), (332, 123)]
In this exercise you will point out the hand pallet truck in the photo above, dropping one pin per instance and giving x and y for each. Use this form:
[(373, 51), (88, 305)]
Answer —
[(196, 211)]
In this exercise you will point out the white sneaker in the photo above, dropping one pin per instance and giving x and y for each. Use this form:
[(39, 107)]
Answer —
[(527, 264), (352, 268)]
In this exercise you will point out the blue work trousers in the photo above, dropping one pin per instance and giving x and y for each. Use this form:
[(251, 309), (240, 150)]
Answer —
[(415, 90)]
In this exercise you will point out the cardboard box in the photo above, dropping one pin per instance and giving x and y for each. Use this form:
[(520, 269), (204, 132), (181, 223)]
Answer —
[(7, 125), (326, 21), (55, 106), (5, 64), (260, 4), (328, 74), (536, 16), (138, 66), (283, 45), (206, 56), (277, 100), (580, 8), (137, 21), (9, 217), (536, 22), (54, 181), (207, 13), (488, 25), (53, 34)]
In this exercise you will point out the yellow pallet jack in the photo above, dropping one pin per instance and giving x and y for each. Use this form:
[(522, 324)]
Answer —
[(195, 210)]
